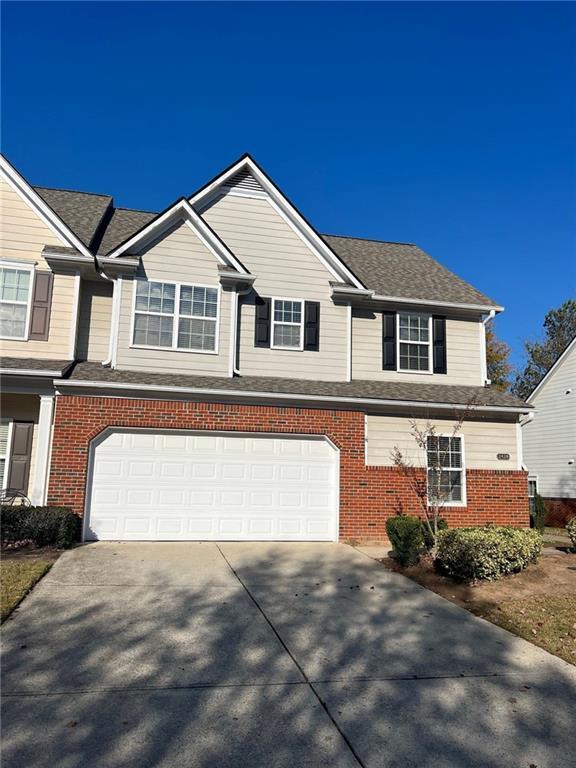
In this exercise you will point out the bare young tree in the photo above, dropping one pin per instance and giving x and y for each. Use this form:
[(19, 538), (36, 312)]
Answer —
[(431, 484)]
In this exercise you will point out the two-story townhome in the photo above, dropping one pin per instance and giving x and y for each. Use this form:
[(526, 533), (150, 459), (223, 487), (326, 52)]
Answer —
[(550, 439), (220, 370)]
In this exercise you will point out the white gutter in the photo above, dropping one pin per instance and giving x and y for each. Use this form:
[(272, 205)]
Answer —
[(27, 372), (435, 303), (235, 324), (281, 396), (115, 319), (483, 359)]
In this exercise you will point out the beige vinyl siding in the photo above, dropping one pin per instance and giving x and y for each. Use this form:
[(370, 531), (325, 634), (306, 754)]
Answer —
[(483, 440), (179, 257), (550, 439), (463, 352), (285, 268), (23, 235), (23, 408), (94, 320)]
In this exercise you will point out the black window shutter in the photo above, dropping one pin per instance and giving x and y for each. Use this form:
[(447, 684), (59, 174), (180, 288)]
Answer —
[(312, 326), (41, 304), (388, 341), (439, 343), (262, 322), (20, 453)]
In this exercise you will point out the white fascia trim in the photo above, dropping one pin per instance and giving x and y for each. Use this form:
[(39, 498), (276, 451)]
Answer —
[(198, 226), (430, 303), (361, 293), (280, 396), (33, 199), (558, 362), (287, 209), (27, 372)]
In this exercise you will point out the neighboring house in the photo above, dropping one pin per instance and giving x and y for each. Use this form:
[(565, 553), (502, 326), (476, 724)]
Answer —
[(222, 371), (550, 439)]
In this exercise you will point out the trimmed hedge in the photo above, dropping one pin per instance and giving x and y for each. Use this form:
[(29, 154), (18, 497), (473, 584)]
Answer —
[(428, 541), (538, 514), (407, 538), (44, 526), (571, 531), (474, 554)]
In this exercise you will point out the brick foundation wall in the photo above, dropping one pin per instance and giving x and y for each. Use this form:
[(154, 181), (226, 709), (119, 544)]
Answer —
[(368, 495), (560, 511)]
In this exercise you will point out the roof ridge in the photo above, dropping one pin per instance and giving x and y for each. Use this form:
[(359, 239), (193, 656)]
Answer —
[(74, 191), (135, 210), (369, 239)]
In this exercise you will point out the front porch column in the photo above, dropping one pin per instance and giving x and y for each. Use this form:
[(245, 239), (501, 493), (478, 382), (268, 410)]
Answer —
[(43, 441)]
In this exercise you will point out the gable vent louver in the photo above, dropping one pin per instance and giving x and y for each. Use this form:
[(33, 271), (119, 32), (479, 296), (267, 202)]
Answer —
[(243, 180)]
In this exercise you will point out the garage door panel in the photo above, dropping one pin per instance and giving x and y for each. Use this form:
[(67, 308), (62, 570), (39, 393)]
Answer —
[(189, 486)]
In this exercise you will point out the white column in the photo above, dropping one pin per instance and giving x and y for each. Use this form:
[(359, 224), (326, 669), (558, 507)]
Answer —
[(43, 444)]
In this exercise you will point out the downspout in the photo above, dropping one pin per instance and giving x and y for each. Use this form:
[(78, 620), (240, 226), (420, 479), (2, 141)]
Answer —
[(116, 284), (236, 325), (489, 316)]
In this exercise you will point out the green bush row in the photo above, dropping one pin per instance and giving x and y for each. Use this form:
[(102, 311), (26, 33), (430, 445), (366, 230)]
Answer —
[(44, 526), (473, 554)]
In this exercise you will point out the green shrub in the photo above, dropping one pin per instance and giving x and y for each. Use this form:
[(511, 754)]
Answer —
[(538, 513), (407, 538), (442, 526), (44, 526), (571, 531), (473, 554)]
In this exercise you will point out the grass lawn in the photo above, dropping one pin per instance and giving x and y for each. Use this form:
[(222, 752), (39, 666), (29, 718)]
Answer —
[(538, 604), (18, 574), (547, 621)]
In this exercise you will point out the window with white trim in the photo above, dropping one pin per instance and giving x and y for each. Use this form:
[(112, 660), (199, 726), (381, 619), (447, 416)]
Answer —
[(287, 324), (175, 316), (445, 469), (414, 341), (4, 432), (15, 296)]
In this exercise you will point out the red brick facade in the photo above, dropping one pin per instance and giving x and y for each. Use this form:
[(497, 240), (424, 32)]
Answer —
[(368, 495)]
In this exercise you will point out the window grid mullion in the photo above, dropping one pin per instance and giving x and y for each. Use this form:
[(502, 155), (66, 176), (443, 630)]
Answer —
[(176, 325)]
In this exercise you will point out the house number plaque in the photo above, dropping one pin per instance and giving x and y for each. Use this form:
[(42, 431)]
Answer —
[(503, 456)]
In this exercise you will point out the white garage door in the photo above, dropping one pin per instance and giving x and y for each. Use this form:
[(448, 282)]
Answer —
[(190, 486)]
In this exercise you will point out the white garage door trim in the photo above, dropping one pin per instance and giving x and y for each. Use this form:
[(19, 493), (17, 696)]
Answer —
[(221, 436)]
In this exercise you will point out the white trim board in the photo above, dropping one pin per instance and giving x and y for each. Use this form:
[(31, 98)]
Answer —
[(286, 209), (182, 210), (556, 365), (254, 394)]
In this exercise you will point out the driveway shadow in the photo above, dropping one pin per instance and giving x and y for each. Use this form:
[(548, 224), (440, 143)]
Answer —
[(269, 655)]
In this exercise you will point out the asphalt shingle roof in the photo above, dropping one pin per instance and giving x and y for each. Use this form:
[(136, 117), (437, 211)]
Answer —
[(403, 270), (400, 270), (124, 223), (378, 390), (82, 212), (33, 364)]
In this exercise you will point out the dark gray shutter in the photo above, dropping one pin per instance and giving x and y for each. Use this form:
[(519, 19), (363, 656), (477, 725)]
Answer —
[(41, 303), (20, 452), (312, 326), (388, 341), (439, 343), (262, 322)]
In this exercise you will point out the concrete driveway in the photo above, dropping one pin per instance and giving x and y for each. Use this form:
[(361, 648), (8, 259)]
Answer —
[(268, 655)]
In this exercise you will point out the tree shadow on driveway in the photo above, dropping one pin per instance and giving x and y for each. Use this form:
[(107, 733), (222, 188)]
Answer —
[(268, 655)]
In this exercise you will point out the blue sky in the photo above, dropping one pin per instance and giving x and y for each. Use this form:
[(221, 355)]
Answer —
[(452, 125)]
